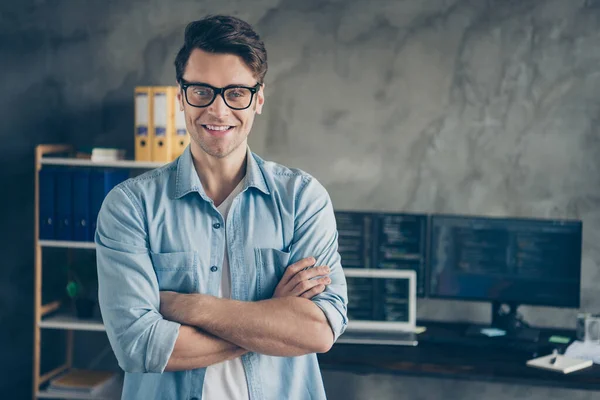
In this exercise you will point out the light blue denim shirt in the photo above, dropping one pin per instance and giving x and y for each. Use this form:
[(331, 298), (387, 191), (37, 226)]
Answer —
[(160, 231)]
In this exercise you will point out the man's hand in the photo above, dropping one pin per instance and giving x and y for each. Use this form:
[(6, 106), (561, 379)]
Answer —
[(297, 282)]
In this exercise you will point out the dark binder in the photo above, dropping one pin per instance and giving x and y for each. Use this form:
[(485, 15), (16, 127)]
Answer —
[(64, 204), (81, 205), (47, 191)]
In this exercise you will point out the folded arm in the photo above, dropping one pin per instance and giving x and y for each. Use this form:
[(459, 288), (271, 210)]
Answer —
[(196, 349), (142, 340), (288, 326)]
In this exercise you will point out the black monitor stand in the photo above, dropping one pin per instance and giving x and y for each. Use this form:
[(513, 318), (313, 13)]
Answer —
[(506, 318)]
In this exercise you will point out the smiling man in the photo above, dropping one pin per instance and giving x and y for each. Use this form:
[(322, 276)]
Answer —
[(219, 273)]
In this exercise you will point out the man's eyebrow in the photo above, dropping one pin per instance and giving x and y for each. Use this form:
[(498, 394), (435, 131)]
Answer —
[(194, 82), (208, 84)]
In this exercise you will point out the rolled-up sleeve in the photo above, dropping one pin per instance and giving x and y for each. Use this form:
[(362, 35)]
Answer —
[(128, 288), (316, 235)]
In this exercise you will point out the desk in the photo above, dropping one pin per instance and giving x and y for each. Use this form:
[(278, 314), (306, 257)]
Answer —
[(443, 353)]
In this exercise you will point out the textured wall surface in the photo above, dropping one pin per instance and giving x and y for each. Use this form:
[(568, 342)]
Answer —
[(460, 106)]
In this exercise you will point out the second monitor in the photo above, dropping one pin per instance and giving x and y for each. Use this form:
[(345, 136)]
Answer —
[(506, 261)]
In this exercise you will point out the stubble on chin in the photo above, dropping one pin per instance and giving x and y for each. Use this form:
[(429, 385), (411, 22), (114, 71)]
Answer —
[(218, 150)]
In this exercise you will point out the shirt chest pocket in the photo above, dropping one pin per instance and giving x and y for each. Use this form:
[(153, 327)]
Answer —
[(270, 267), (176, 271)]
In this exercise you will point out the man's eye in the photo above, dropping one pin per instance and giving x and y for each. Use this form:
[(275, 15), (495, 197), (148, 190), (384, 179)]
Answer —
[(237, 93)]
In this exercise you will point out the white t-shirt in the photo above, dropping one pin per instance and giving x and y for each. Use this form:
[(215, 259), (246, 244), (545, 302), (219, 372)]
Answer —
[(226, 380)]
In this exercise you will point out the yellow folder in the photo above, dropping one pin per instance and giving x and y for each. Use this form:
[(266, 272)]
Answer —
[(164, 123), (143, 123), (181, 138)]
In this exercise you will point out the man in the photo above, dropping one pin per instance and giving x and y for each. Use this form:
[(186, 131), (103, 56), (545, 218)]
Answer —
[(194, 289)]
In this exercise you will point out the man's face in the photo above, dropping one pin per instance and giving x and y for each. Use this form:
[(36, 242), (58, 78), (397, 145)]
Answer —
[(217, 129)]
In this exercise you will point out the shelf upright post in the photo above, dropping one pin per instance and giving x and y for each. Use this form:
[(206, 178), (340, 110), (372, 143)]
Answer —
[(40, 151)]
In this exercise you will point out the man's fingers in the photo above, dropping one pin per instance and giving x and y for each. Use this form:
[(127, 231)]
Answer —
[(307, 285), (313, 292), (308, 274), (296, 267), (300, 278)]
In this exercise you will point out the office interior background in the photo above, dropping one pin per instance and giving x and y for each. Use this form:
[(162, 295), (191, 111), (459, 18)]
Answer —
[(480, 107)]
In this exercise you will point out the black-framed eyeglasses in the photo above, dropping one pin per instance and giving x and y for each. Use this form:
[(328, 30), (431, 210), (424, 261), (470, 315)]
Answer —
[(203, 95)]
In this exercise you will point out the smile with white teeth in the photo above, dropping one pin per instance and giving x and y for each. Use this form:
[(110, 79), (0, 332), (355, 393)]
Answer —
[(218, 127)]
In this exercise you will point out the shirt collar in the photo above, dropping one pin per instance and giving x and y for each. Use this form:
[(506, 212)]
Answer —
[(187, 179)]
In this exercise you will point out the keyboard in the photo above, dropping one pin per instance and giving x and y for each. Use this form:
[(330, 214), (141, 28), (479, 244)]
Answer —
[(397, 338)]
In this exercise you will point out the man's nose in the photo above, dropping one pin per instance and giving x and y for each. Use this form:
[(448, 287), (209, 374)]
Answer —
[(218, 108)]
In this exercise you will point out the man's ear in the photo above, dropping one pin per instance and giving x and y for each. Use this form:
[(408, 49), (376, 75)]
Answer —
[(180, 99), (260, 99)]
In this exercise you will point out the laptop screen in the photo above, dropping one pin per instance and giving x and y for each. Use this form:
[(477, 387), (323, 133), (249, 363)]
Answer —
[(381, 299)]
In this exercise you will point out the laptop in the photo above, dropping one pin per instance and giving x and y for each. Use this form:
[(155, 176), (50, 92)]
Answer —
[(382, 307)]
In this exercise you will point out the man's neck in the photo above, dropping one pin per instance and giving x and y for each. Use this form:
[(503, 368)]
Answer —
[(219, 176)]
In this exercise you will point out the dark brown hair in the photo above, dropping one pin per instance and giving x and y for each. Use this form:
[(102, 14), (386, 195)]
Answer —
[(224, 35)]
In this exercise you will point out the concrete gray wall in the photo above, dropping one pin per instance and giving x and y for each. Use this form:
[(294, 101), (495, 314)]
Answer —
[(459, 106)]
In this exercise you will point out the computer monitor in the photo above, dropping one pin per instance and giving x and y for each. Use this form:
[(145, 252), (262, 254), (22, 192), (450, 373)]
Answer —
[(508, 261), (386, 241)]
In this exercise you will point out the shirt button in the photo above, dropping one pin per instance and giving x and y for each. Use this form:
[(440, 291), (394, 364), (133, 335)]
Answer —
[(214, 268), (216, 225)]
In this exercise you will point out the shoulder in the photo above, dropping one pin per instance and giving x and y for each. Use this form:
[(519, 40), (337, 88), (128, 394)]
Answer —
[(151, 182), (139, 189), (292, 182)]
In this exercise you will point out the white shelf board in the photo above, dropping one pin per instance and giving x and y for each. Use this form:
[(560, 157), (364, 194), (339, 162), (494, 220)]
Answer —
[(71, 322), (67, 244), (79, 162), (111, 392), (378, 273)]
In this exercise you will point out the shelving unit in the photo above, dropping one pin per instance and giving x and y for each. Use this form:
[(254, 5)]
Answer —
[(110, 392), (67, 245), (77, 162), (46, 315), (70, 322)]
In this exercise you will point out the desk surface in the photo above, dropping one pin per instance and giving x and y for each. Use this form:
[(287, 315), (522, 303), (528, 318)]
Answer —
[(443, 353)]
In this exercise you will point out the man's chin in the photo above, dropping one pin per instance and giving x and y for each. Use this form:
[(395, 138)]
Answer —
[(218, 149), (218, 152)]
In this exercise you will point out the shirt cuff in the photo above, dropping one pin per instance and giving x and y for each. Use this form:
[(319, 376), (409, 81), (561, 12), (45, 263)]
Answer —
[(161, 344), (337, 319)]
